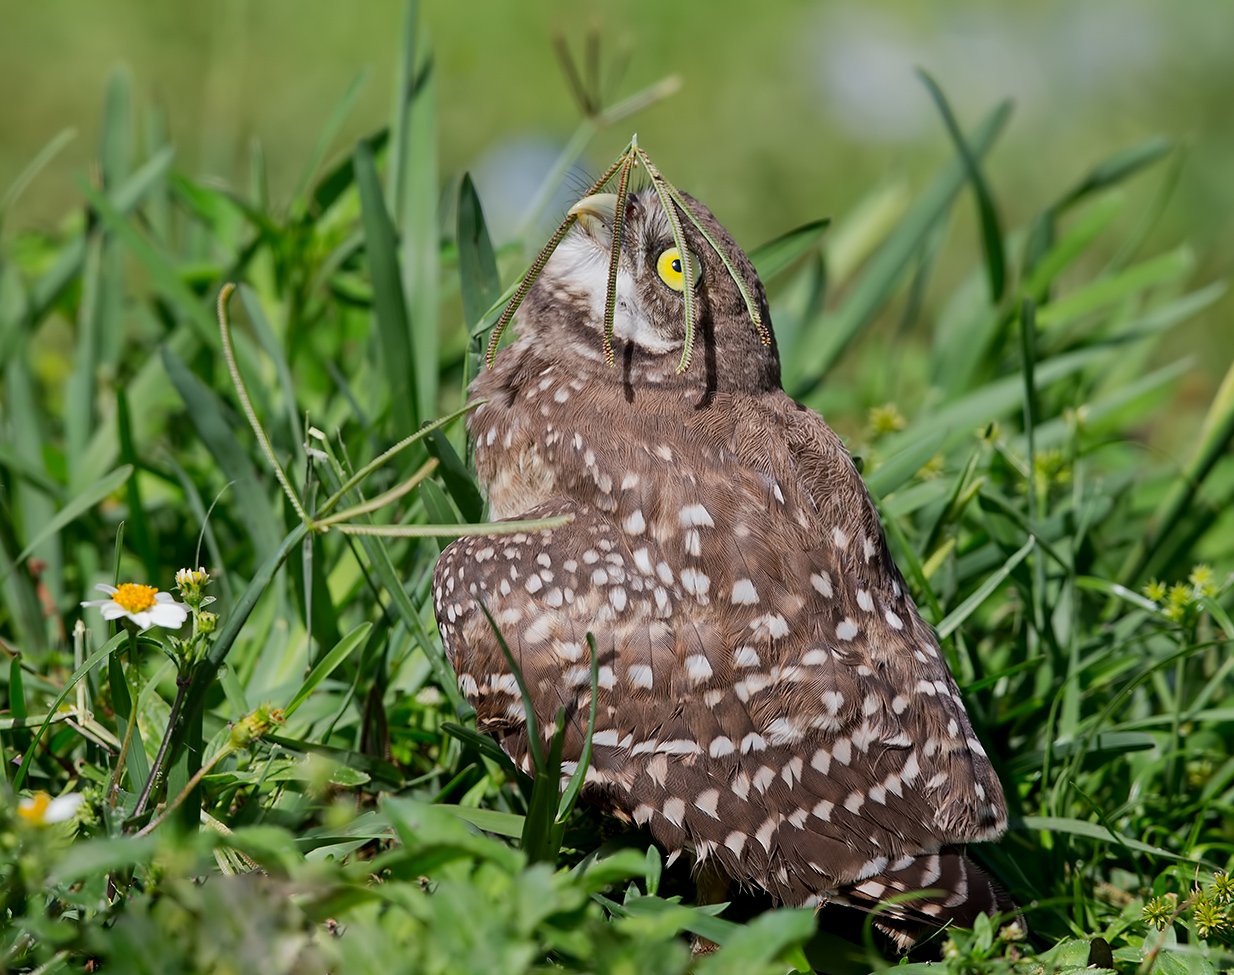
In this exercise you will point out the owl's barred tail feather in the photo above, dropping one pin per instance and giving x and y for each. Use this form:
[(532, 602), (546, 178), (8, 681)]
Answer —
[(927, 893)]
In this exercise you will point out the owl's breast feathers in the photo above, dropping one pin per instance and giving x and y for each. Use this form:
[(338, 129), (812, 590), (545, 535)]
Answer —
[(770, 697)]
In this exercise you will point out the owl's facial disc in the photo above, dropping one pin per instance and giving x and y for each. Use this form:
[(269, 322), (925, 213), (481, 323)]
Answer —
[(580, 266)]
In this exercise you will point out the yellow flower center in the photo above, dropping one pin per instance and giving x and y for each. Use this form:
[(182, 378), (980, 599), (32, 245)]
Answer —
[(133, 597), (34, 809)]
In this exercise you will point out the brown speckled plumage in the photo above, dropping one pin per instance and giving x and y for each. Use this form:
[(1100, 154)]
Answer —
[(771, 701)]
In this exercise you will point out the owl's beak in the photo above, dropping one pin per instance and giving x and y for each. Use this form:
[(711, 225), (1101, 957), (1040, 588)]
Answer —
[(596, 213)]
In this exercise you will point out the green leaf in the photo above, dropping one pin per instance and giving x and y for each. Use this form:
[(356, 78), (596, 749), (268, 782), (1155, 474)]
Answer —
[(875, 286), (776, 256), (957, 616), (75, 508), (457, 478), (1091, 831), (328, 664), (765, 939), (479, 280), (991, 231), (389, 303), (208, 414), (98, 857), (489, 820), (96, 658)]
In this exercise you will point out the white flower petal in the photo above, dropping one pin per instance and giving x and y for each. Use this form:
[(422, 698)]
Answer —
[(143, 619), (169, 615), (95, 603), (63, 807), (113, 611), (103, 587)]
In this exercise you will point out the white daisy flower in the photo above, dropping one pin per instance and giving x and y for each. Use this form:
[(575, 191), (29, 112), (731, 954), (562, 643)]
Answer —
[(144, 605), (41, 809)]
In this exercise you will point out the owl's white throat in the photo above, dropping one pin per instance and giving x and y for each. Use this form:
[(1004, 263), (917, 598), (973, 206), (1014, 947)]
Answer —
[(583, 263)]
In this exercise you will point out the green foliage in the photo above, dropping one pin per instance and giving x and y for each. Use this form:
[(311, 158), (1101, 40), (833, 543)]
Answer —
[(301, 788)]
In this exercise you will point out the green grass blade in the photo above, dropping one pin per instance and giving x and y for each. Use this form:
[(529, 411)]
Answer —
[(776, 256), (875, 286), (1164, 269), (116, 148), (480, 283), (987, 213), (1117, 168), (33, 168), (96, 658), (413, 199), (457, 479), (52, 282), (207, 414), (329, 133), (166, 278), (570, 796), (1091, 831), (143, 536), (389, 303), (1215, 436), (957, 616), (894, 472), (328, 664), (78, 506)]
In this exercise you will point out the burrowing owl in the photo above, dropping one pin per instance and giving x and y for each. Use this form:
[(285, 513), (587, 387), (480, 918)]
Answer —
[(770, 700)]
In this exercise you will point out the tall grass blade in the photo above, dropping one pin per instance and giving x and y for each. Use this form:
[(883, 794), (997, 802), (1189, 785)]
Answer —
[(987, 213), (875, 286), (394, 351)]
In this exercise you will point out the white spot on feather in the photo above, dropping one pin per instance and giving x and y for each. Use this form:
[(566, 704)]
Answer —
[(695, 582), (746, 657), (753, 742), (695, 515), (744, 593), (641, 676), (698, 668), (675, 811), (708, 801), (721, 746)]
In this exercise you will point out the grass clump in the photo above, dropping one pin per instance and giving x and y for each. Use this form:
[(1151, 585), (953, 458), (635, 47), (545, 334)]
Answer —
[(289, 782)]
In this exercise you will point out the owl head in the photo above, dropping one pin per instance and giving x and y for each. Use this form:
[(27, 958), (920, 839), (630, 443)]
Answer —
[(563, 313)]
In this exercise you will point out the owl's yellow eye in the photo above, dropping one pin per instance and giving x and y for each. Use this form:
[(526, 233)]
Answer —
[(668, 266)]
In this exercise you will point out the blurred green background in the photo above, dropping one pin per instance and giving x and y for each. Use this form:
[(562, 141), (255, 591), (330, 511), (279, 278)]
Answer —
[(786, 112)]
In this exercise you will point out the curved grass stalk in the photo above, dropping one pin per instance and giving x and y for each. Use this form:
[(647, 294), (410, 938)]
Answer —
[(614, 251), (671, 200), (457, 531), (383, 499), (537, 266), (751, 306), (391, 452), (663, 191), (229, 354)]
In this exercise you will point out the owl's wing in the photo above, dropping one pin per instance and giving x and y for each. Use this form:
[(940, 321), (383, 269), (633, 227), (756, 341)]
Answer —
[(743, 716)]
